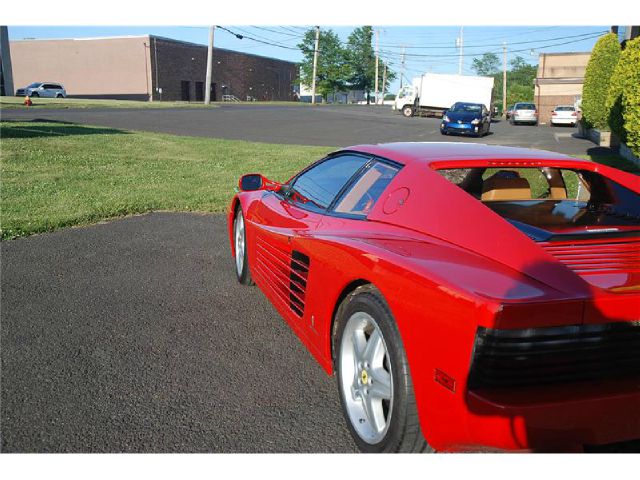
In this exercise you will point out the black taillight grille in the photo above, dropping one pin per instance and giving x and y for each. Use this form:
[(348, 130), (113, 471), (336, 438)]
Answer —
[(505, 358)]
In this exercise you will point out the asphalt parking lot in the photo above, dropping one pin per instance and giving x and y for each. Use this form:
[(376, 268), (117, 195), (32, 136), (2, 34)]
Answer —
[(335, 126), (133, 336)]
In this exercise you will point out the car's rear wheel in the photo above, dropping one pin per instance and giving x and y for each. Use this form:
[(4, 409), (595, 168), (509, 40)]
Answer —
[(240, 244), (35, 94), (59, 95), (407, 111), (373, 376)]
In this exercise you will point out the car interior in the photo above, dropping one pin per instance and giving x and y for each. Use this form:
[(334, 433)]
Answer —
[(552, 199)]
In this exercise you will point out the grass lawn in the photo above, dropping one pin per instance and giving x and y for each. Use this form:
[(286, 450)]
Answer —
[(55, 175), (12, 103), (58, 174), (614, 161)]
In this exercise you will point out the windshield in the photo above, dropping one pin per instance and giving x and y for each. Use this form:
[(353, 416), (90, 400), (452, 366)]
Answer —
[(565, 109), (405, 92), (525, 106), (34, 85), (466, 108)]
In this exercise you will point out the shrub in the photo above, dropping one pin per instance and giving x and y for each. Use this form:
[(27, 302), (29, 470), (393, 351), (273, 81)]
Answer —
[(630, 102), (604, 58)]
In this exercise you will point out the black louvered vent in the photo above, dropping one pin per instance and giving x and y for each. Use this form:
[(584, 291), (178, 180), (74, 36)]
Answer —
[(298, 281), (507, 358)]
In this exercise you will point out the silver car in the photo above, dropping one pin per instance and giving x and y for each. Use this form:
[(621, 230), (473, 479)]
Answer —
[(524, 113), (43, 89)]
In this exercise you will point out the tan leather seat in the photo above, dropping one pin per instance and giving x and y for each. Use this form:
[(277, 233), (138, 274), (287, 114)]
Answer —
[(496, 188)]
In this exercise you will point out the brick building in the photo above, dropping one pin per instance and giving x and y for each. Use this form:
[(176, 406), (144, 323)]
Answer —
[(559, 81), (149, 68)]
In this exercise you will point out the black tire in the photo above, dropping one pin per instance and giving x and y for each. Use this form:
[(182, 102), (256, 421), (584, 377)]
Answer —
[(403, 433), (35, 94), (407, 111), (243, 273), (443, 132), (59, 95)]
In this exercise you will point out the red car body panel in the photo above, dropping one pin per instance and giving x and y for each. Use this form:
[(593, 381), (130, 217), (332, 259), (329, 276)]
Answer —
[(443, 276)]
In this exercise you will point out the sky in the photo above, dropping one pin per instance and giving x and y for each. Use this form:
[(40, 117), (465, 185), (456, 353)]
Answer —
[(427, 49)]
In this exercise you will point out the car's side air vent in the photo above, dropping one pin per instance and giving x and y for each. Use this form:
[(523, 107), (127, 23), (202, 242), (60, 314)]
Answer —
[(298, 281), (535, 356)]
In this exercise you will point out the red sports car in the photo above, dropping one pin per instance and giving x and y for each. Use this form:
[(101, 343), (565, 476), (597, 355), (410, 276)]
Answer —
[(467, 297)]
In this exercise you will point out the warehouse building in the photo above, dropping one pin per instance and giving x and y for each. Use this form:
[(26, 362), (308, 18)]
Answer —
[(559, 81), (149, 68)]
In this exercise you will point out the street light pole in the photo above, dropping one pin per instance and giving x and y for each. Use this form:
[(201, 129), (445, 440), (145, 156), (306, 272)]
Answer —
[(384, 81), (504, 78), (377, 62), (315, 67), (207, 88), (461, 48), (402, 70)]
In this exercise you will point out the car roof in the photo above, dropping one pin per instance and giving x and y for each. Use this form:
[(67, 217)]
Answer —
[(428, 152)]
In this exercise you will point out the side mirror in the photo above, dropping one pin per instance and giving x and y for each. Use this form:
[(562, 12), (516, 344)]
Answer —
[(254, 181)]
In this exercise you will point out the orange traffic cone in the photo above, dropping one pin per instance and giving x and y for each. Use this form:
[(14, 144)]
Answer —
[(27, 101)]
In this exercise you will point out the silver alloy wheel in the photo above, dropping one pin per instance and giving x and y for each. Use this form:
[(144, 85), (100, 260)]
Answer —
[(366, 377), (238, 228)]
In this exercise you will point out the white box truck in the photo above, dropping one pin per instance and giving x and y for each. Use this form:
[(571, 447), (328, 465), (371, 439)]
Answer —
[(433, 93)]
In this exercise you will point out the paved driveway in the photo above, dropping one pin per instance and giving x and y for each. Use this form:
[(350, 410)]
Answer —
[(133, 336), (337, 126)]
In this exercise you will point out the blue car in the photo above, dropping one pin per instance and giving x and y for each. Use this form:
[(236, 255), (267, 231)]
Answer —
[(466, 119)]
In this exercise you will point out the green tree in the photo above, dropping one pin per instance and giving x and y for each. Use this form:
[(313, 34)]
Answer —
[(332, 70), (623, 99), (520, 82), (361, 60), (487, 65), (597, 77)]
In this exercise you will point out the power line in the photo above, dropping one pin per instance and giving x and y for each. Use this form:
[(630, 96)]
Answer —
[(297, 35), (497, 45), (240, 37), (449, 55)]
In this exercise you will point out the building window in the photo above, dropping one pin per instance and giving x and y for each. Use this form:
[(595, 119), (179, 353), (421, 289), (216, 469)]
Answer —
[(186, 90)]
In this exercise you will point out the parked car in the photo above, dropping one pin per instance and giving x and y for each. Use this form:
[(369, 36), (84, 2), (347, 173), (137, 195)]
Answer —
[(509, 112), (467, 297), (564, 115), (524, 113), (466, 119), (43, 89)]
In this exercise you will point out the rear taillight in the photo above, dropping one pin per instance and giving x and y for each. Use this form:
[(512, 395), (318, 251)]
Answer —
[(574, 114), (553, 114)]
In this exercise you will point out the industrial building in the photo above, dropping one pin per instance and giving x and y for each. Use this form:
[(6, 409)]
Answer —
[(559, 81), (149, 68)]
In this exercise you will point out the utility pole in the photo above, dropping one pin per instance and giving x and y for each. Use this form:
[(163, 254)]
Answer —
[(402, 68), (377, 61), (461, 39), (5, 57), (315, 67), (384, 81), (504, 78), (207, 88)]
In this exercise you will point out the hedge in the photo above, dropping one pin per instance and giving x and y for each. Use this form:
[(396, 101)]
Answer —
[(629, 72), (602, 63)]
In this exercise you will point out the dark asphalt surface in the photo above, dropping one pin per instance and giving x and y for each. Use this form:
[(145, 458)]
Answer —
[(335, 126), (133, 336)]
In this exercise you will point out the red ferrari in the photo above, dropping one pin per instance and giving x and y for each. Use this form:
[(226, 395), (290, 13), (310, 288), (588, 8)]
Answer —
[(467, 297)]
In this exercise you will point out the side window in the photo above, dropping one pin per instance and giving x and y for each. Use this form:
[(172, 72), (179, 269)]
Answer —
[(364, 193), (320, 185)]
